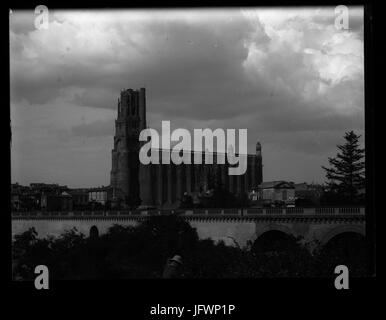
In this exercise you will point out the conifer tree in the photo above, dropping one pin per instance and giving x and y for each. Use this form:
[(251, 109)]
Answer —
[(346, 174)]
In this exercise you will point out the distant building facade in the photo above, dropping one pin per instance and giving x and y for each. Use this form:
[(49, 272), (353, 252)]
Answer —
[(99, 195), (24, 198), (56, 202), (54, 197), (40, 196), (272, 192), (80, 198), (164, 185)]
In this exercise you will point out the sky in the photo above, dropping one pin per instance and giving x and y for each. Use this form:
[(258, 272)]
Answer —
[(288, 76)]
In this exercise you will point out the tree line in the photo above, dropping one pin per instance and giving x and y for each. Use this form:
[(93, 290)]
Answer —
[(141, 252)]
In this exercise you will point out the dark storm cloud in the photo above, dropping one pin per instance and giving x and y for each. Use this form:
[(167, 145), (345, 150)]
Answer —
[(95, 129), (189, 68), (288, 76)]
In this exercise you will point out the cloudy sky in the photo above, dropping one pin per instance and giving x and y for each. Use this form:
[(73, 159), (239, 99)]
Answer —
[(287, 75)]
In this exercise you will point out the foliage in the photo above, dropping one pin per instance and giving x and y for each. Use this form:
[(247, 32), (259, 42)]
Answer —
[(342, 250), (346, 176), (220, 197), (142, 251)]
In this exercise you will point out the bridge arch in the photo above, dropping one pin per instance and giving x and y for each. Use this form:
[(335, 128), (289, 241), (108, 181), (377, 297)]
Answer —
[(274, 239), (272, 227), (345, 246), (359, 229), (94, 232)]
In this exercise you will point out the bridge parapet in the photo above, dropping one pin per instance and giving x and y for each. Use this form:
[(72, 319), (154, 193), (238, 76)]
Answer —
[(211, 212), (216, 223), (308, 211)]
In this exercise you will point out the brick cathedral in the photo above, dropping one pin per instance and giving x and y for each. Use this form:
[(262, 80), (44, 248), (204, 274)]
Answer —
[(163, 185)]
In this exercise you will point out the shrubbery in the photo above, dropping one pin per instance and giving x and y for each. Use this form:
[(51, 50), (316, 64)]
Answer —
[(142, 251)]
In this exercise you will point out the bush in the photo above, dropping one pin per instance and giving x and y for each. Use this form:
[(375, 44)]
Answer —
[(142, 251)]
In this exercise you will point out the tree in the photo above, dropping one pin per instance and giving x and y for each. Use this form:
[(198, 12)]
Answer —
[(186, 201), (346, 175), (27, 252), (141, 252)]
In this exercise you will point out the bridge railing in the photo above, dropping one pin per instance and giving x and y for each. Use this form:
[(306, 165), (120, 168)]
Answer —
[(307, 211), (324, 211), (215, 211)]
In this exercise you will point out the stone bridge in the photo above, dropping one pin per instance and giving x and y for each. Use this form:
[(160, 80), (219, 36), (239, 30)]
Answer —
[(229, 225)]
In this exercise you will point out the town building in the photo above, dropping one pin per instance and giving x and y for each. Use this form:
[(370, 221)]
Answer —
[(23, 198), (80, 198), (56, 202), (100, 195), (39, 196), (277, 193)]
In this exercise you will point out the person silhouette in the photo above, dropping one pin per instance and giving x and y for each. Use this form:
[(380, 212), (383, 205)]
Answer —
[(173, 268)]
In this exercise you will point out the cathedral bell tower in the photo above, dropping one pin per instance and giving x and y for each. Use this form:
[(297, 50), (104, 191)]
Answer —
[(125, 163)]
